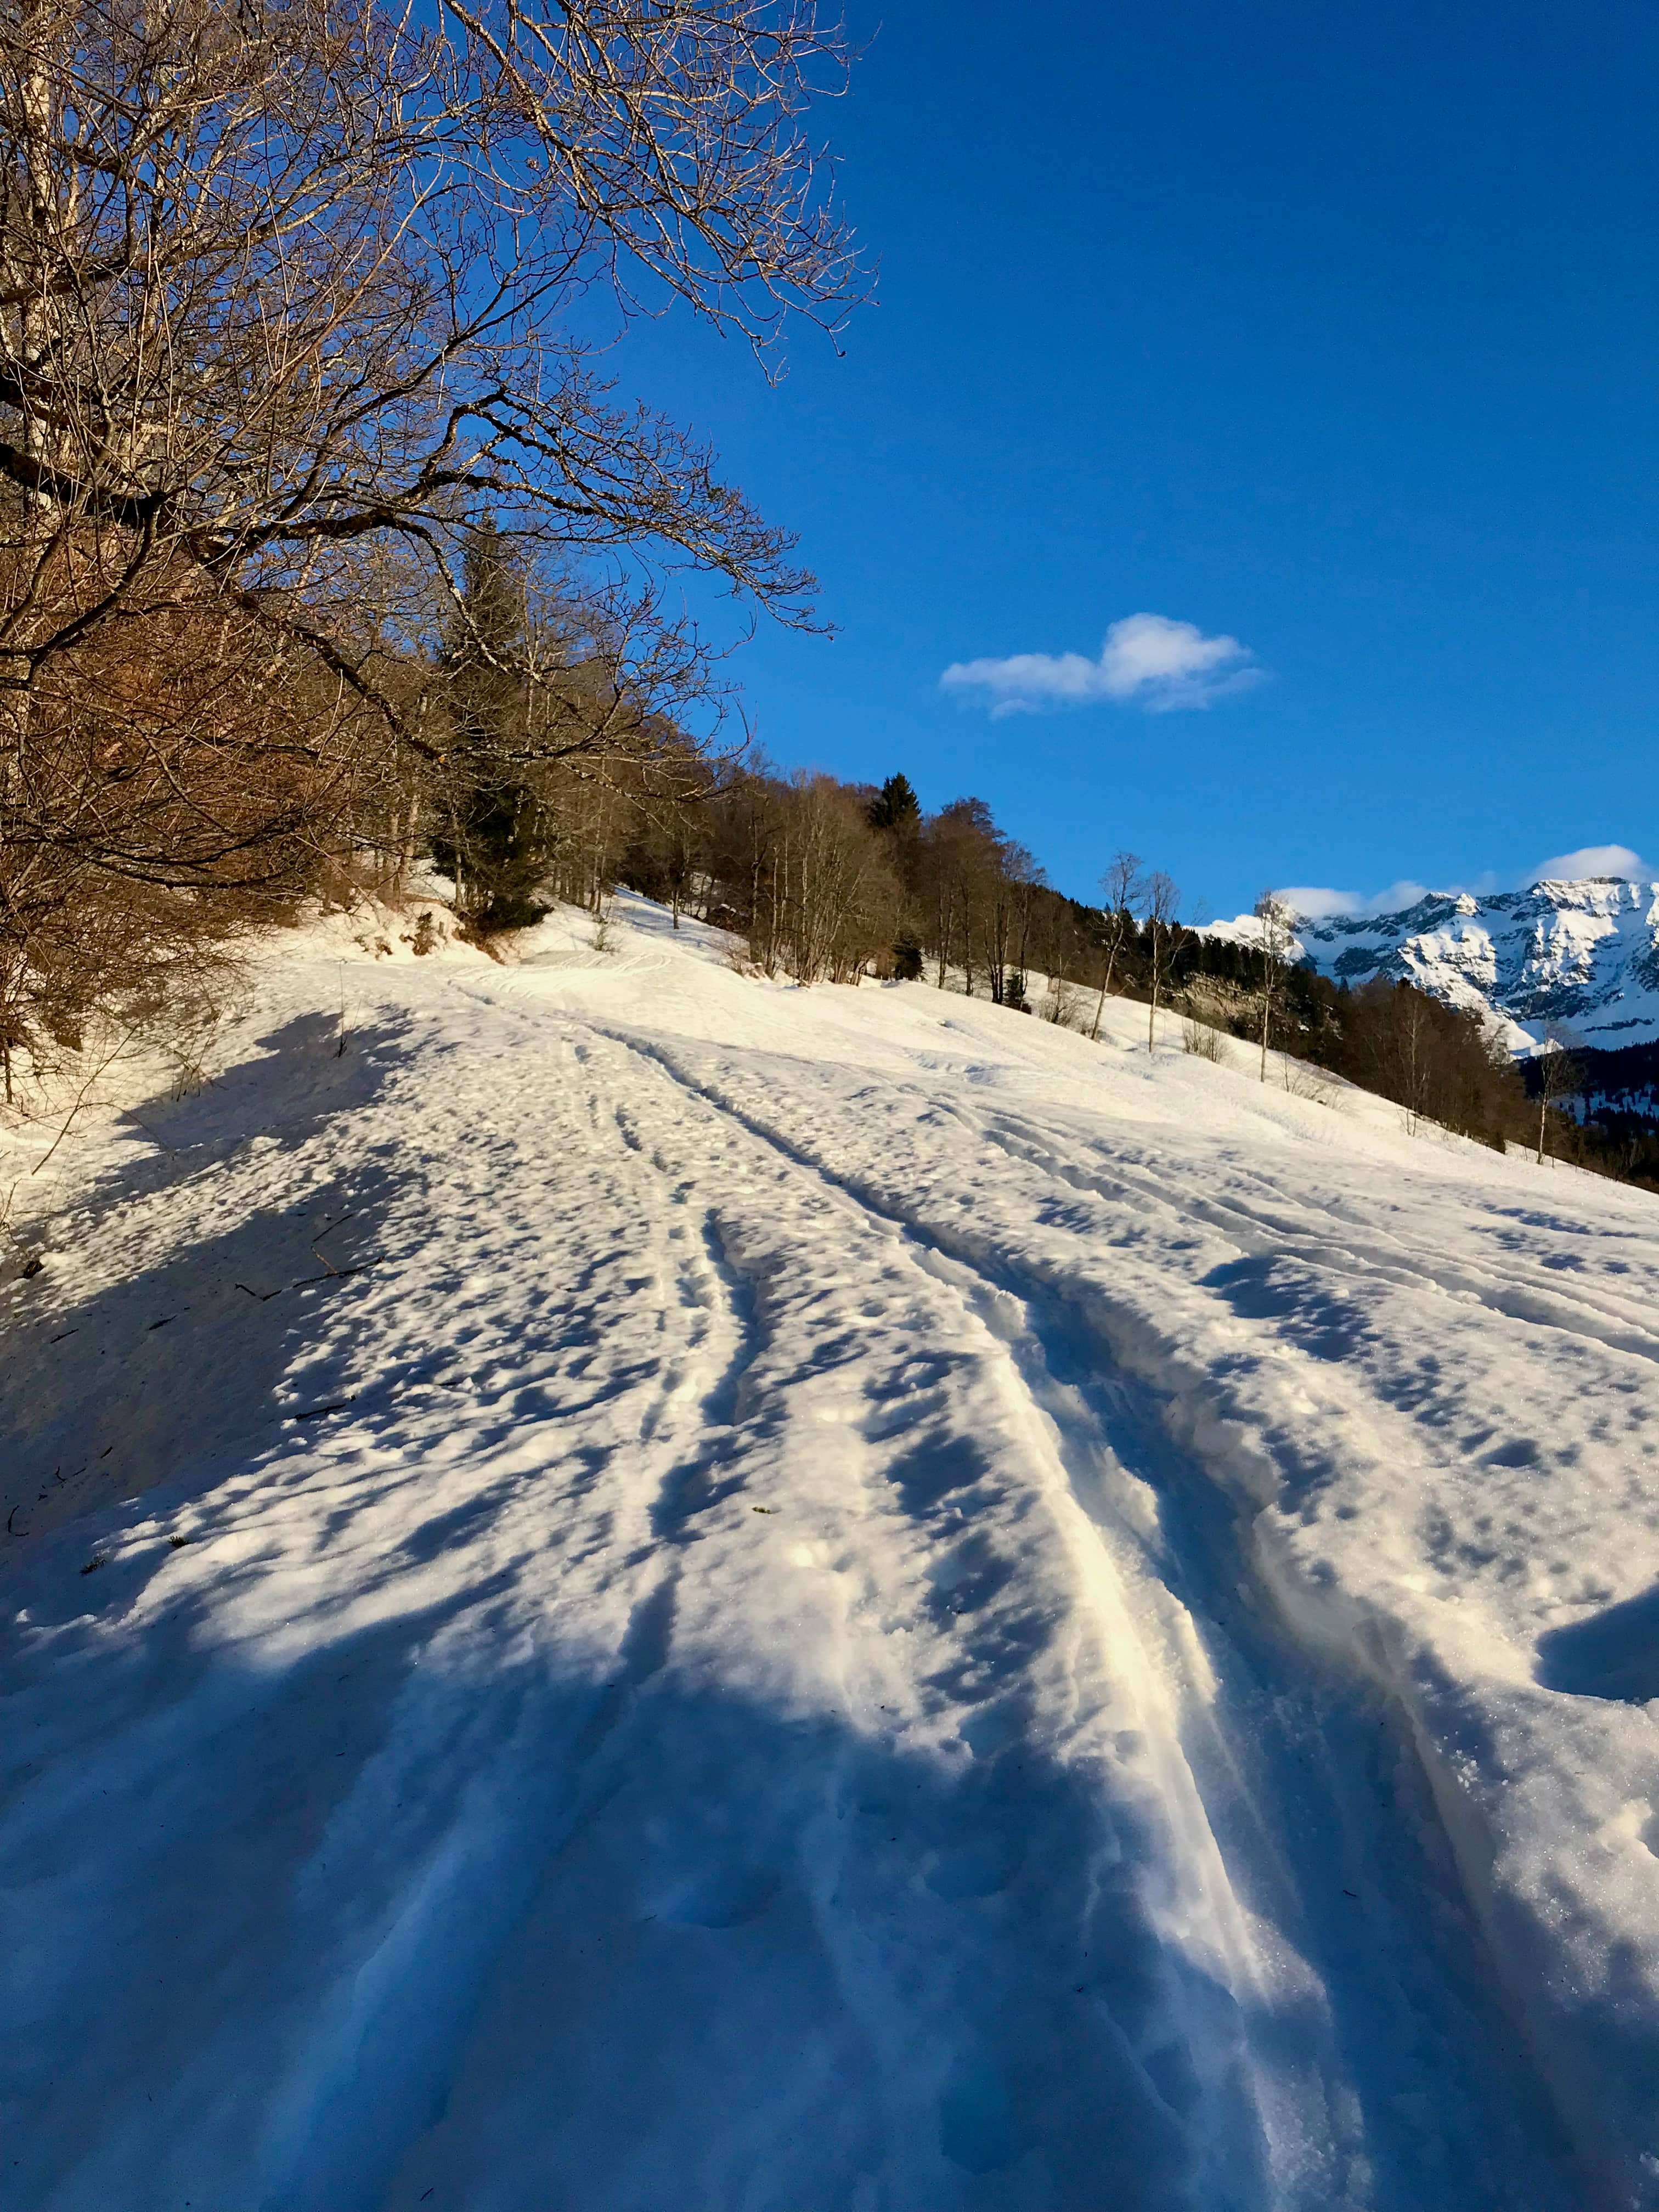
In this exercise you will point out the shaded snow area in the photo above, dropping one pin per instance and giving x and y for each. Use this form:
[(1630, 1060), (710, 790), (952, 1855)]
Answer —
[(718, 1598)]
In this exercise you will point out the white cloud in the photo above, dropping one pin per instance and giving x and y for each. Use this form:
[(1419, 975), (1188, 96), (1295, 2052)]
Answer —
[(1590, 861), (1319, 902), (1149, 659)]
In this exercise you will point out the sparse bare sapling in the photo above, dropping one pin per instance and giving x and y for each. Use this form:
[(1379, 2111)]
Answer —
[(1122, 887), (1201, 1041), (1163, 904), (1559, 1076), (1276, 922)]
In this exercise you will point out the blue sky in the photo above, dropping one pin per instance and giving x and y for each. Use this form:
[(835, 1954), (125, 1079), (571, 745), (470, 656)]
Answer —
[(1332, 333)]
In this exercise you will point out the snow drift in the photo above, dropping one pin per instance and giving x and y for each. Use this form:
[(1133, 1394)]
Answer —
[(649, 1590)]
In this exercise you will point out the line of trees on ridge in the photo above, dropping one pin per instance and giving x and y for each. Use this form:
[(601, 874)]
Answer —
[(826, 881), (328, 547)]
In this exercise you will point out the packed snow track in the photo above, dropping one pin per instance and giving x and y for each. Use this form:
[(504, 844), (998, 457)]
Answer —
[(645, 1591)]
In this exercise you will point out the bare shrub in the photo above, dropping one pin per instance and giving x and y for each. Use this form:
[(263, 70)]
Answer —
[(345, 880), (168, 1007), (1061, 1003), (147, 809), (1203, 1043), (1303, 1080)]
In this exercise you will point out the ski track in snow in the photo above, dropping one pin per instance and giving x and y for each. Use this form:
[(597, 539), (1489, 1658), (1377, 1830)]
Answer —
[(802, 1600)]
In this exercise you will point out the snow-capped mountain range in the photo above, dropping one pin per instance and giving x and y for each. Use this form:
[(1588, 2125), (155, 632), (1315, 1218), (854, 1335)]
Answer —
[(1584, 953)]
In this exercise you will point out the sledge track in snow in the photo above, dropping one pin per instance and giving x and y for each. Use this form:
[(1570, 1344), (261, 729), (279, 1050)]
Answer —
[(1257, 1230), (1298, 1773), (1025, 1890)]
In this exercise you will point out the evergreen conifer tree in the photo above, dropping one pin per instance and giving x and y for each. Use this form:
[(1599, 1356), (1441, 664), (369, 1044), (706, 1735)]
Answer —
[(895, 807), (497, 844), (896, 810)]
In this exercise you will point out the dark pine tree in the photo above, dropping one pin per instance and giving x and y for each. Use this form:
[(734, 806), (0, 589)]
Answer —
[(496, 844), (895, 807), (896, 810)]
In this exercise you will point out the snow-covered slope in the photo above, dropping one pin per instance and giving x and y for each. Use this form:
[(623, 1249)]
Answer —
[(1585, 954), (650, 1590)]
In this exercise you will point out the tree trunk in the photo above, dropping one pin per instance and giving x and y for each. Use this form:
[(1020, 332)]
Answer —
[(1105, 986)]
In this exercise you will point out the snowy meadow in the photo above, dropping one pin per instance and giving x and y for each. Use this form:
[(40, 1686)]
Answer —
[(634, 1589)]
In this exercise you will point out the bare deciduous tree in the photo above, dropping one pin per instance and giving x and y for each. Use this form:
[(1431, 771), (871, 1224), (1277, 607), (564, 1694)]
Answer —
[(286, 301), (1163, 903), (960, 872), (830, 899), (1011, 879), (279, 279), (1122, 887), (1559, 1075)]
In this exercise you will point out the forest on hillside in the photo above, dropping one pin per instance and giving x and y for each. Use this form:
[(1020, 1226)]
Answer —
[(329, 549), (829, 881), (549, 770), (318, 495)]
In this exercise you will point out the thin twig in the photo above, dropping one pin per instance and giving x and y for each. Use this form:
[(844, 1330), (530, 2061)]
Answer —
[(108, 1061)]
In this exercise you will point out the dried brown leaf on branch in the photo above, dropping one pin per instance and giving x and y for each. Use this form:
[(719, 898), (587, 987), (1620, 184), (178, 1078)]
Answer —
[(288, 300)]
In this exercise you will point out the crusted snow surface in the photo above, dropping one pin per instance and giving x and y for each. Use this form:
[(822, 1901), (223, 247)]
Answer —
[(651, 1590)]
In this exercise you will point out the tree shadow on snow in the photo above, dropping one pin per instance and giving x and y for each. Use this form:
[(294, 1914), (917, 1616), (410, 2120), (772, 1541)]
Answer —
[(1612, 1654), (1445, 2102), (167, 1374), (377, 1921)]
